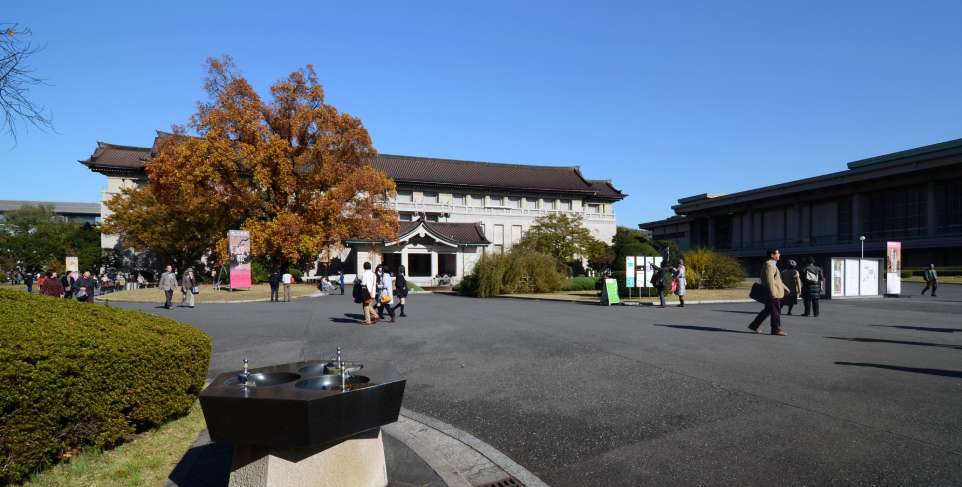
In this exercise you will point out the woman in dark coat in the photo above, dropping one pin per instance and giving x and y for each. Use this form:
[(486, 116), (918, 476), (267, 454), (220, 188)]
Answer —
[(88, 284), (401, 289)]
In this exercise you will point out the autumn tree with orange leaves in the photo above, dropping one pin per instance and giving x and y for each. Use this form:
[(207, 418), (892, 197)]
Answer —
[(292, 170)]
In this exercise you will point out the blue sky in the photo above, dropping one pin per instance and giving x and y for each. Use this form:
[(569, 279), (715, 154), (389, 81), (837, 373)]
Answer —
[(668, 99)]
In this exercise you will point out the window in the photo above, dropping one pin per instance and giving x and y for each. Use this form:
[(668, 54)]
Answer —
[(447, 265), (475, 200), (948, 207), (496, 200), (404, 197), (565, 205), (533, 203), (551, 204), (430, 198), (514, 202), (432, 217), (458, 199), (845, 219), (419, 265), (516, 234), (499, 239), (405, 216), (900, 212), (594, 208)]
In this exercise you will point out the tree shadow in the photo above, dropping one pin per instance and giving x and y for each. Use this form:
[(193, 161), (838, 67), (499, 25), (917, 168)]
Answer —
[(898, 342), (704, 328), (956, 374), (923, 328), (203, 465)]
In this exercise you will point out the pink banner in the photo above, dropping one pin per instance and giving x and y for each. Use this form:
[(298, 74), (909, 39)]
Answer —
[(239, 246)]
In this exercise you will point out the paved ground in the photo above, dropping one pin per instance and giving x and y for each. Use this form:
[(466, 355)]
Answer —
[(868, 394)]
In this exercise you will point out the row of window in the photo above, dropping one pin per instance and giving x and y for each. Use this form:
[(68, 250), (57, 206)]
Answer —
[(498, 201)]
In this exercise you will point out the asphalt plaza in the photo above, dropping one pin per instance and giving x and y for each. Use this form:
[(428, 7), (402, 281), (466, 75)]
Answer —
[(870, 393)]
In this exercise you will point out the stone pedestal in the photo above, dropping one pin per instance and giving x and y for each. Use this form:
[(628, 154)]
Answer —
[(355, 462)]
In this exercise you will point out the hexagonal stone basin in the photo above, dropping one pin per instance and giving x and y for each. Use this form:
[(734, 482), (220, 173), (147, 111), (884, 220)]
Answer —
[(326, 368), (331, 382), (266, 379)]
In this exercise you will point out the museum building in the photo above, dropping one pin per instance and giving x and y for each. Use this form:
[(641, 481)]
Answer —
[(451, 211), (913, 196)]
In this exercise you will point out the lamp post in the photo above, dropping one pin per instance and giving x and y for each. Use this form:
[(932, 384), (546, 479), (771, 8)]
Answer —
[(862, 238)]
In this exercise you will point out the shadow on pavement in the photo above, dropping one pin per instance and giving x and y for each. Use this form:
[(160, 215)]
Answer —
[(705, 328), (923, 328), (898, 342), (735, 311), (345, 321), (957, 374)]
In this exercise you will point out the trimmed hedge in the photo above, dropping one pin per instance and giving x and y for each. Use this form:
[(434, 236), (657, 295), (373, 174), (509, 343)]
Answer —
[(707, 269), (75, 374), (518, 271), (581, 283)]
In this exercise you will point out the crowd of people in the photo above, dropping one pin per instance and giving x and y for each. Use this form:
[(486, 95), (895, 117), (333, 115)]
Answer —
[(782, 288), (376, 291), (83, 287)]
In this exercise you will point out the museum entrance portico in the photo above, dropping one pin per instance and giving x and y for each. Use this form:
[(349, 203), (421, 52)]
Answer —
[(432, 253)]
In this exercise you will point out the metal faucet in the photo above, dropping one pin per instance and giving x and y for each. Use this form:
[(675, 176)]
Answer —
[(245, 377)]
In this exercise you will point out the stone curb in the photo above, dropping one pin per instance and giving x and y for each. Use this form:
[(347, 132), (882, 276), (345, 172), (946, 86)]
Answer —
[(667, 303), (471, 442), (263, 300)]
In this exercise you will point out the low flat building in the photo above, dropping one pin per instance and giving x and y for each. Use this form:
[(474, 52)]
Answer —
[(73, 212), (913, 196), (451, 211)]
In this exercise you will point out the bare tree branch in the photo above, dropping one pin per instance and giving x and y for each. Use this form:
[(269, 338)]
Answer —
[(16, 79)]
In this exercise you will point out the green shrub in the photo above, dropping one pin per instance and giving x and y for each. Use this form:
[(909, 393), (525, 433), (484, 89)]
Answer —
[(74, 374), (707, 269), (519, 271), (581, 283)]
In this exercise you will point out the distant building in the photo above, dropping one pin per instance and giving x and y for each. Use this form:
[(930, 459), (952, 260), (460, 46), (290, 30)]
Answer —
[(451, 211), (74, 212), (913, 196)]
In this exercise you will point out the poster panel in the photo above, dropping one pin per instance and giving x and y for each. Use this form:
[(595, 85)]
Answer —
[(72, 264), (630, 271), (893, 267), (868, 277), (640, 271), (851, 277), (239, 247), (838, 277)]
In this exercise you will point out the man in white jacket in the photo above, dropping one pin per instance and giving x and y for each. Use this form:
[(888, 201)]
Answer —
[(368, 281)]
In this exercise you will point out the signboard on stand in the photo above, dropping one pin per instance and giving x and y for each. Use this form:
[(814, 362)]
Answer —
[(239, 247), (629, 271), (893, 268), (72, 264), (609, 293), (853, 277)]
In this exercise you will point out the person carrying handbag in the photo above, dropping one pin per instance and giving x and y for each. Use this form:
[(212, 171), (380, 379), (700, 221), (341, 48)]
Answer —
[(188, 286), (771, 281)]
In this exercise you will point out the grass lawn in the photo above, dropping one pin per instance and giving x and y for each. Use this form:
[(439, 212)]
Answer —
[(739, 292), (146, 460), (942, 280), (208, 294)]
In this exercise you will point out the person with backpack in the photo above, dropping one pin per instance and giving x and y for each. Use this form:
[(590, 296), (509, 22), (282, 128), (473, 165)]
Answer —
[(658, 280), (792, 281), (85, 288), (931, 280), (813, 280), (364, 292), (274, 280), (401, 290)]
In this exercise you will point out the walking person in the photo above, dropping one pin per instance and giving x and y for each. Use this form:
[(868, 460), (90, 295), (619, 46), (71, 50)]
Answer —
[(28, 280), (931, 280), (188, 284), (141, 281), (85, 288), (813, 280), (287, 279), (52, 286), (385, 292), (41, 280), (67, 282), (340, 281), (275, 282), (680, 281), (793, 282), (167, 284), (365, 290), (401, 287), (771, 280)]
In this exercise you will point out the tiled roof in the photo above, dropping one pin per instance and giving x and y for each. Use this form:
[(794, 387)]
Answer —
[(458, 233), (59, 207), (412, 170)]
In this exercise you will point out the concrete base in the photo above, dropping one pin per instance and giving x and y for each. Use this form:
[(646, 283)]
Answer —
[(356, 462)]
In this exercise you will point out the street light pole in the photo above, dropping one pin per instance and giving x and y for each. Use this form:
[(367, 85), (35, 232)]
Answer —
[(862, 238)]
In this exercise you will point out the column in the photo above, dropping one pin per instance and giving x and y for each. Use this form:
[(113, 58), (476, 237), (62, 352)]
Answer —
[(930, 209), (404, 258), (434, 263), (856, 216), (711, 233)]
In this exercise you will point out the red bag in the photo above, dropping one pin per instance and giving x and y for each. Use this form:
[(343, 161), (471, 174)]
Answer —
[(674, 285)]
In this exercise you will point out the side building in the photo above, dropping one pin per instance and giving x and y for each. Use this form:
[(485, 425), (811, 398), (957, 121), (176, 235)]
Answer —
[(913, 196), (451, 211), (69, 211)]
